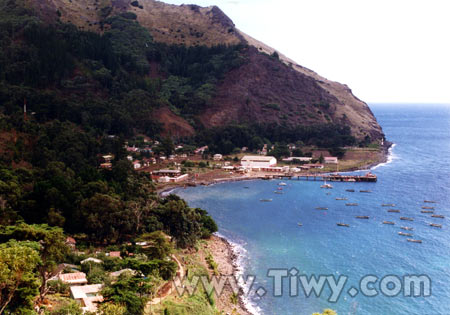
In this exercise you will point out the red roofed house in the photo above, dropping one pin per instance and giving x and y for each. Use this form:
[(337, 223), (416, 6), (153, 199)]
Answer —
[(114, 254), (70, 241)]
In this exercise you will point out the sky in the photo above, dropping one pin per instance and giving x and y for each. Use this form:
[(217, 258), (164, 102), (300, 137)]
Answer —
[(386, 51)]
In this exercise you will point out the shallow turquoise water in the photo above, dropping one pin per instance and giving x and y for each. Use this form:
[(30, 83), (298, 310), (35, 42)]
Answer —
[(420, 169)]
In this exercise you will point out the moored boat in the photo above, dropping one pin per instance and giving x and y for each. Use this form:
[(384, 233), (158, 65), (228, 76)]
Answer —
[(425, 207), (278, 192), (404, 234), (350, 190), (429, 201), (343, 224), (300, 224), (440, 216), (414, 241), (265, 200), (341, 198), (388, 205), (436, 225), (394, 211), (321, 208), (365, 191), (351, 204), (362, 217), (407, 228), (406, 219), (282, 184), (388, 222), (427, 211)]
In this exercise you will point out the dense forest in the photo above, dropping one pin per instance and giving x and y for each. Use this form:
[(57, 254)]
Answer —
[(86, 94), (79, 88)]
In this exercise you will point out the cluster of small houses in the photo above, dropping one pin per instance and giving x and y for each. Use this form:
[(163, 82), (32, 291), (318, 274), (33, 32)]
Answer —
[(87, 295), (258, 163), (255, 163)]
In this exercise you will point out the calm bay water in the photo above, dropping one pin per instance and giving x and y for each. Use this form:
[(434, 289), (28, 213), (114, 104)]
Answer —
[(269, 236)]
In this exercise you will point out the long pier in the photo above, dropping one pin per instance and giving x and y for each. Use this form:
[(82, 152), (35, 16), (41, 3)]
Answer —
[(369, 177)]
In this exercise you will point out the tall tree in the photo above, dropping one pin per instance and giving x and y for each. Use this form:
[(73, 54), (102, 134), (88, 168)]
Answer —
[(52, 251), (18, 281)]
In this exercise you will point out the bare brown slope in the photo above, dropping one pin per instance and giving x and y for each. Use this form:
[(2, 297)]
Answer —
[(244, 92), (264, 90), (174, 125), (355, 112)]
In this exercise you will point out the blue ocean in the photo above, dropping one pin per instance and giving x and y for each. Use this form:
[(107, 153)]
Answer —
[(268, 236)]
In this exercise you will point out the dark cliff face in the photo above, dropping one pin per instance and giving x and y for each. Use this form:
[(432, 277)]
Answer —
[(264, 89)]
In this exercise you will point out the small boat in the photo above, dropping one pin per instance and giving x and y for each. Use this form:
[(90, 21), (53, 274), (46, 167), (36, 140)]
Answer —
[(327, 186), (350, 190), (341, 198), (362, 217), (394, 211), (343, 224), (407, 228), (427, 211), (431, 208), (440, 216), (278, 192), (429, 201), (349, 180), (406, 219), (265, 200), (388, 205), (300, 224), (282, 184), (321, 208), (413, 241), (388, 222), (365, 191), (351, 204), (404, 234), (436, 225)]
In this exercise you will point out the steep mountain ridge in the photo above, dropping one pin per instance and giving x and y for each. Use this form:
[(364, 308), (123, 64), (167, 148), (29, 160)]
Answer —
[(262, 90)]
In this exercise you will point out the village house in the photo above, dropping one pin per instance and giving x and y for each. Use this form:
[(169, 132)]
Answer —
[(297, 158), (168, 176), (87, 296), (115, 254), (71, 242), (256, 162), (201, 150), (137, 165), (116, 274), (73, 278), (310, 166), (217, 157), (330, 160), (92, 259)]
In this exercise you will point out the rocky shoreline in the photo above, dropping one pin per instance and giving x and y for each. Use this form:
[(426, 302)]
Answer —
[(226, 258)]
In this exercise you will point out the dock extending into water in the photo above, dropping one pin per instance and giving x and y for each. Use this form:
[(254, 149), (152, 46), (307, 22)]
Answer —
[(369, 177)]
